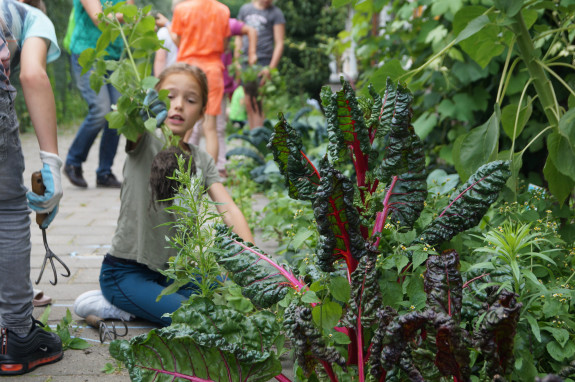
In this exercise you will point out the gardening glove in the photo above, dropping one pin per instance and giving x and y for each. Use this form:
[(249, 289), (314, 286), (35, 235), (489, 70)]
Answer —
[(52, 179), (153, 107)]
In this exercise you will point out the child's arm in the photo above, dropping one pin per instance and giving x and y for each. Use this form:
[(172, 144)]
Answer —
[(233, 216), (252, 34), (40, 102), (94, 7), (38, 93)]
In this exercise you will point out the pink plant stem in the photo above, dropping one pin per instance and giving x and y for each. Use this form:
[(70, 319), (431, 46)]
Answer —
[(282, 378), (359, 334), (381, 217), (474, 279), (329, 371)]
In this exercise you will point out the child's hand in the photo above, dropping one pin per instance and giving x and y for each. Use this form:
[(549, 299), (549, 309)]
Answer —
[(153, 107), (52, 179)]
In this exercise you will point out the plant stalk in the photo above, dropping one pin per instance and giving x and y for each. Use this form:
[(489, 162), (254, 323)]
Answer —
[(541, 82)]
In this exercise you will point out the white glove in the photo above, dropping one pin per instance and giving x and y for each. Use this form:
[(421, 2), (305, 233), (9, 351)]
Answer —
[(52, 179)]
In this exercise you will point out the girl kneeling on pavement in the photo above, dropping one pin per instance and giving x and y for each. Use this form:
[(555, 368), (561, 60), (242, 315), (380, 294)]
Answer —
[(130, 280)]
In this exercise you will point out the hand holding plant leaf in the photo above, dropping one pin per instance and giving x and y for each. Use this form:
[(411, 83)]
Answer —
[(131, 74)]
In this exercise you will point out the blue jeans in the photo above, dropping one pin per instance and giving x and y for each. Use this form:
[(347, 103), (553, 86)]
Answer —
[(99, 104), (15, 284), (134, 288)]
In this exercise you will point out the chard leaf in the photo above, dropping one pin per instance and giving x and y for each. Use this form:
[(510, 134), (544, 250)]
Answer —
[(263, 281), (495, 335), (365, 293), (452, 357), (309, 346), (301, 176), (443, 284), (384, 318), (337, 220), (347, 132), (468, 204), (403, 164), (452, 350), (205, 342)]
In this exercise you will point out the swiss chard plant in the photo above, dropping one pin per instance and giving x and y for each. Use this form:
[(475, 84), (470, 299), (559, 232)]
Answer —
[(337, 312)]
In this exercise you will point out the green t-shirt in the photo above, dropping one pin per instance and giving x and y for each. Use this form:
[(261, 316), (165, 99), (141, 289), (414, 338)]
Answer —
[(237, 109), (86, 34), (139, 235)]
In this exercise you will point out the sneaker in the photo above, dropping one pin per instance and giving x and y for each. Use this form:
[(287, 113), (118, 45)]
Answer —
[(74, 175), (93, 303), (21, 355), (108, 181)]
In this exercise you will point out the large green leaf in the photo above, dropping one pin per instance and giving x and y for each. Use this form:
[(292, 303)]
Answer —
[(468, 203), (484, 43), (477, 147), (205, 342), (562, 153), (264, 281), (301, 176), (560, 185)]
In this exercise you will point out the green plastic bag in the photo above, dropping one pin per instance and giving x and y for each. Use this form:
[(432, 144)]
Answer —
[(68, 38)]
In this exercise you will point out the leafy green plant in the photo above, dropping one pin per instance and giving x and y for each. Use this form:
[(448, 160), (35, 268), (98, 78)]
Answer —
[(131, 74), (193, 236), (499, 72), (333, 308), (206, 340), (63, 331), (113, 368), (351, 220)]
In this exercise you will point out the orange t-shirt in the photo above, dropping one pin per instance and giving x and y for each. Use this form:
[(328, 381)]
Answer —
[(202, 25)]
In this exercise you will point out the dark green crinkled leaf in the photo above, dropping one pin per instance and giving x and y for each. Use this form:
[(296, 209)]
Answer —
[(402, 160), (496, 333), (204, 341), (443, 284), (262, 280), (301, 177), (468, 204), (384, 317), (337, 220), (402, 146), (307, 339), (452, 356), (365, 293), (347, 131)]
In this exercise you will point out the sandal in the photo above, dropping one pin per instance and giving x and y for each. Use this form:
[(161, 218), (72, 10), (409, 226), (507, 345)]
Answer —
[(40, 299)]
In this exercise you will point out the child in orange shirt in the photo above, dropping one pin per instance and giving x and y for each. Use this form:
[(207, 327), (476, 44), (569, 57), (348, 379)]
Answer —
[(199, 29)]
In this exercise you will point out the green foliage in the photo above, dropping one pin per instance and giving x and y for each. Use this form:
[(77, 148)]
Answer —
[(353, 211), (498, 73), (132, 72), (193, 237), (309, 27), (202, 339), (63, 331)]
